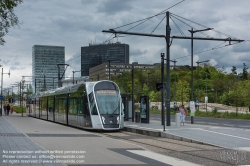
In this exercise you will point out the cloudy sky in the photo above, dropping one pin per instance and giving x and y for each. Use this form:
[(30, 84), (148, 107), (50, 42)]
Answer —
[(77, 23)]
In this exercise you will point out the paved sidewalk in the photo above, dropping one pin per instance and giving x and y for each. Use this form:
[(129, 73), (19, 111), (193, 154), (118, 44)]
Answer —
[(226, 137), (26, 135), (14, 143)]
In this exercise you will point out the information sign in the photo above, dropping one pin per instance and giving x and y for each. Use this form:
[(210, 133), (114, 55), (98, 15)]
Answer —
[(192, 108)]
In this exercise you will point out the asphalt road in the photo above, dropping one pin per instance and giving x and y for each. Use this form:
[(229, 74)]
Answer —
[(237, 123)]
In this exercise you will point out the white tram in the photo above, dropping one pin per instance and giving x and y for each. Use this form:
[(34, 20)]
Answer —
[(90, 105)]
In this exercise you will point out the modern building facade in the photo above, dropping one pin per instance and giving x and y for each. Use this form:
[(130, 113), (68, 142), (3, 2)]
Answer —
[(101, 72), (94, 55), (44, 66)]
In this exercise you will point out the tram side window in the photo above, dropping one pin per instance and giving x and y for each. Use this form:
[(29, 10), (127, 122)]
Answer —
[(92, 104)]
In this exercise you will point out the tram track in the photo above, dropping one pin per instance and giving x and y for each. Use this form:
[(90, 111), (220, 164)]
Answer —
[(196, 153)]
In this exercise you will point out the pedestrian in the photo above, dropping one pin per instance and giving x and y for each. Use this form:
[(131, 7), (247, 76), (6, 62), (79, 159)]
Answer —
[(8, 109), (183, 112), (5, 109)]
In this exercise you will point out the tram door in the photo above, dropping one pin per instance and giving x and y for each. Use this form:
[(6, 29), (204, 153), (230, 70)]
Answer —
[(125, 103), (86, 113)]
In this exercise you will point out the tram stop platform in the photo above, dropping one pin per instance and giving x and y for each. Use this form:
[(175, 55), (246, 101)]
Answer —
[(225, 137), (27, 141)]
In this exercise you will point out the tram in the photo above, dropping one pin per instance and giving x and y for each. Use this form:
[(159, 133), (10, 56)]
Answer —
[(89, 105)]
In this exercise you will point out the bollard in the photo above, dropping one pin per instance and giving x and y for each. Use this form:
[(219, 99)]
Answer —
[(177, 119)]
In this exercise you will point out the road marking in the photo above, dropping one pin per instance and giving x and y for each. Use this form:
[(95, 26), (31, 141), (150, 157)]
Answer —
[(200, 122), (214, 123), (162, 158), (244, 148), (244, 126), (225, 134), (227, 125)]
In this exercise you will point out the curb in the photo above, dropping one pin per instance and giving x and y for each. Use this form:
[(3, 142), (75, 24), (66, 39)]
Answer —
[(154, 133)]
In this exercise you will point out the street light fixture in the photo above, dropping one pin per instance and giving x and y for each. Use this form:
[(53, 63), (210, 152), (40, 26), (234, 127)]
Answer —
[(192, 73), (73, 75), (60, 77), (110, 60), (198, 63)]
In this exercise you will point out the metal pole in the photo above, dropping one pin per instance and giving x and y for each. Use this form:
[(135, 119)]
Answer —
[(206, 91), (35, 85), (192, 73), (133, 111), (162, 92), (109, 69), (168, 30), (198, 84), (44, 82), (58, 76), (73, 77)]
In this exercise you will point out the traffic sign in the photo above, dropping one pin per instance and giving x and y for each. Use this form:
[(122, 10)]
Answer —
[(1, 97)]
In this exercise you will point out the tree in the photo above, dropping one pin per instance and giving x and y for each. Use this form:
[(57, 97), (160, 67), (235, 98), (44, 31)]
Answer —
[(244, 74), (234, 70), (8, 17)]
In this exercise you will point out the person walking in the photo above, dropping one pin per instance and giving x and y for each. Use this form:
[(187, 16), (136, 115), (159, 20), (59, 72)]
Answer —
[(183, 112), (8, 109), (5, 109)]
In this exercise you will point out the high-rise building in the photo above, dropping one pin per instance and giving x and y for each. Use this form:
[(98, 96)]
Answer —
[(44, 66), (94, 55)]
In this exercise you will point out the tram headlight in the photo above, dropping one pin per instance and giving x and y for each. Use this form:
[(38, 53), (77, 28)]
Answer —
[(103, 120), (118, 119)]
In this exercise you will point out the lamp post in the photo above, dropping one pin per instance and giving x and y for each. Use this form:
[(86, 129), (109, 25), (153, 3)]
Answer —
[(192, 73), (110, 60), (198, 63), (73, 75), (174, 61), (133, 110), (60, 77), (2, 90), (206, 98), (147, 82)]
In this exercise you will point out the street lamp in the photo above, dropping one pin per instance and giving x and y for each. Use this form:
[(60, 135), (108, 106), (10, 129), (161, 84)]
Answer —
[(192, 73), (174, 79), (147, 81), (73, 75), (110, 60), (198, 63), (133, 110), (60, 77)]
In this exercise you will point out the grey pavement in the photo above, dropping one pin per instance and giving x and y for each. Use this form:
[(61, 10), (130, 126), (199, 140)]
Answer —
[(29, 139), (226, 137)]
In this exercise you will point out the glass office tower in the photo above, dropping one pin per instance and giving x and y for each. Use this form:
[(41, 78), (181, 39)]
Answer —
[(94, 55), (44, 66)]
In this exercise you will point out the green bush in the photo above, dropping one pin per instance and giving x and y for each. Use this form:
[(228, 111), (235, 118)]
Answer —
[(18, 109)]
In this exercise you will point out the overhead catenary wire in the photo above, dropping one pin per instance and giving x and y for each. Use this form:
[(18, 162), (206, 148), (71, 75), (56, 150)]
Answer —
[(148, 18), (158, 24), (91, 49), (204, 34), (204, 26), (214, 48), (144, 20), (178, 27)]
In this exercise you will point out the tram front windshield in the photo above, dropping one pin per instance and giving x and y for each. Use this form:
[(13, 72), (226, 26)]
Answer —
[(108, 101)]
